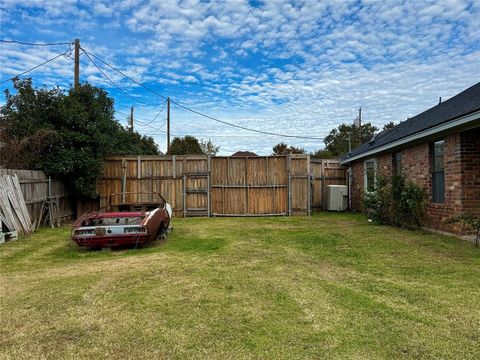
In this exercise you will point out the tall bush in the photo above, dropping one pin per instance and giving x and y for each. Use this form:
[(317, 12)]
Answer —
[(396, 202), (66, 135)]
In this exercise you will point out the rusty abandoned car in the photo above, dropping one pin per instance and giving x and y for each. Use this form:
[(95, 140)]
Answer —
[(133, 219)]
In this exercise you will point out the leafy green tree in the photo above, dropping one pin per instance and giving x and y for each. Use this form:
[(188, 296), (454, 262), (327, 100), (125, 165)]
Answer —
[(187, 145), (336, 142), (322, 154), (390, 125), (284, 149), (65, 135), (132, 143), (208, 147)]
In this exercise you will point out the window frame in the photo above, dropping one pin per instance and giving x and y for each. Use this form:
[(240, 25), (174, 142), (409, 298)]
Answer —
[(437, 174), (397, 163), (365, 175)]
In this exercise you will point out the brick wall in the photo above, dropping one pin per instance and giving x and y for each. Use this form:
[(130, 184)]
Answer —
[(357, 185), (470, 168), (461, 171)]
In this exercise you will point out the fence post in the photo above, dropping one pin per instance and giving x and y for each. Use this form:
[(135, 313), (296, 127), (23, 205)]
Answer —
[(124, 179), (245, 179), (289, 194), (309, 190), (139, 167), (309, 194), (184, 196), (208, 184), (174, 167), (324, 185)]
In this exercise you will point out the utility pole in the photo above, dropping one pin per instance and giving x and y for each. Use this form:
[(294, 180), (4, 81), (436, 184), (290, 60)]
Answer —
[(359, 126), (131, 119), (76, 81), (168, 125)]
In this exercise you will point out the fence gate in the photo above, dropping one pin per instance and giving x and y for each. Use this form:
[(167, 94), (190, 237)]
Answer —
[(225, 186), (249, 186), (325, 172), (196, 195)]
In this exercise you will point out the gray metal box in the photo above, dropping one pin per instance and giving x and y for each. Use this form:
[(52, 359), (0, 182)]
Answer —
[(337, 197)]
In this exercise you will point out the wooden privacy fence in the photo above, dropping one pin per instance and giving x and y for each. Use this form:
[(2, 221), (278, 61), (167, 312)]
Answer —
[(324, 173), (37, 187), (220, 186)]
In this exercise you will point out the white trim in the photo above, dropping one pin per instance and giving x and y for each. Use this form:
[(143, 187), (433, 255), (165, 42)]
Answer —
[(417, 136)]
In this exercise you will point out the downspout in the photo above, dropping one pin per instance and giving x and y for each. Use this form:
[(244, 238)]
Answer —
[(350, 175)]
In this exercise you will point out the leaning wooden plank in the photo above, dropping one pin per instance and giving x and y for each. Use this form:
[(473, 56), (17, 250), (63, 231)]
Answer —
[(6, 210), (18, 191), (10, 220), (3, 218), (40, 216), (3, 221), (15, 202), (15, 198), (16, 206), (23, 205)]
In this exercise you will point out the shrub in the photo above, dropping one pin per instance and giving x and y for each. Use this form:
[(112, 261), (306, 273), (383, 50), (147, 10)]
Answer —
[(396, 202)]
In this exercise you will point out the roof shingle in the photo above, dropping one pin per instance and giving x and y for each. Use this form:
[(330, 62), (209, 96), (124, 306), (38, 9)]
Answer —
[(464, 103)]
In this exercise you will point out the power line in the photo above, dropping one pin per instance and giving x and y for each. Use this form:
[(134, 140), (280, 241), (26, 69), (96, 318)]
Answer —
[(35, 67), (243, 127), (222, 135), (141, 122), (158, 114), (125, 75), (34, 44), (110, 80), (202, 114), (154, 128)]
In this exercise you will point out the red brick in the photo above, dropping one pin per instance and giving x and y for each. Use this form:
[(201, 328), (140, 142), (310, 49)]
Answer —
[(462, 177)]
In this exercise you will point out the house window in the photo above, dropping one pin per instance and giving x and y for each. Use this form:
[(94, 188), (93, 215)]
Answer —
[(438, 176), (397, 163), (370, 168)]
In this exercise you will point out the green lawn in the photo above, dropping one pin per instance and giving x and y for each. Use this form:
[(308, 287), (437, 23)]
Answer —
[(327, 286)]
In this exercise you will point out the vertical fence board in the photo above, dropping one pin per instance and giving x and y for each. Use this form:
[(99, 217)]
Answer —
[(235, 185), (34, 186)]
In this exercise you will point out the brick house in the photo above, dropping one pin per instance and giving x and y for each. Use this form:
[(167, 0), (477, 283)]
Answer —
[(438, 149)]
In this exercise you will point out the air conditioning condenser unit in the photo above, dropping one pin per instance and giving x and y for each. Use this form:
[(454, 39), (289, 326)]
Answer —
[(337, 197)]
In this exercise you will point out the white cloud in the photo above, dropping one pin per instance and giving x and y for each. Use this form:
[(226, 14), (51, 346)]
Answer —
[(283, 66)]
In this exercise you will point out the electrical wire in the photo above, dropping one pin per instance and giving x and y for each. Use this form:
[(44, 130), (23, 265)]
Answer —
[(110, 80), (158, 129), (158, 114), (33, 44), (200, 113), (142, 122), (35, 67), (125, 75), (243, 127), (145, 87)]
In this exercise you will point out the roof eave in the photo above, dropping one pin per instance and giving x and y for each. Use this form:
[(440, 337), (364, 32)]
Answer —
[(465, 122)]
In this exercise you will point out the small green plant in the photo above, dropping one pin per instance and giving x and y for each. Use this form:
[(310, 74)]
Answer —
[(396, 202), (469, 220)]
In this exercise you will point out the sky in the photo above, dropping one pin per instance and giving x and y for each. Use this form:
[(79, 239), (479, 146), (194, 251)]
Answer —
[(296, 68)]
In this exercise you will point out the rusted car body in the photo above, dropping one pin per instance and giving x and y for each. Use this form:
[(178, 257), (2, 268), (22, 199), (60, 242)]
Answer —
[(131, 221)]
